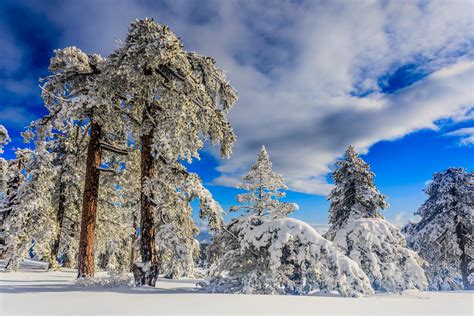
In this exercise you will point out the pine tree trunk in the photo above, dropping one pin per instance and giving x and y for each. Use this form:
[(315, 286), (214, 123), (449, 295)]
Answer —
[(89, 207), (462, 236), (147, 273)]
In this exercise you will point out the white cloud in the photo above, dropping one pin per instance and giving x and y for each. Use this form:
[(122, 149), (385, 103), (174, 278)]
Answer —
[(466, 136), (299, 67)]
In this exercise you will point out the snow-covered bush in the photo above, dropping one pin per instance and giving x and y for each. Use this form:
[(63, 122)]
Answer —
[(284, 256), (379, 249), (443, 236), (360, 231), (112, 279)]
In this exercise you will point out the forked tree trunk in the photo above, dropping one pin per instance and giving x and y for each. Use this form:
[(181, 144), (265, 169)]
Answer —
[(147, 272), (89, 207)]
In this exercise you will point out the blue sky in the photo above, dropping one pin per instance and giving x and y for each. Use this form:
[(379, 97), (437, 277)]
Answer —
[(394, 78)]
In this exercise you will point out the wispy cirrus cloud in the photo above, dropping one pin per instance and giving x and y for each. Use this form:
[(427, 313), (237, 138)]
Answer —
[(466, 136)]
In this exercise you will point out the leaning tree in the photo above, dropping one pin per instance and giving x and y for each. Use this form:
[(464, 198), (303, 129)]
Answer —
[(175, 100)]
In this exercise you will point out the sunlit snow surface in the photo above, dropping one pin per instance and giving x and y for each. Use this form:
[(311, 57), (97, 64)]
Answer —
[(35, 292)]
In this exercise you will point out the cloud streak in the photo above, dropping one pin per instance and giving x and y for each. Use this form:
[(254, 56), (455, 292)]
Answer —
[(466, 136)]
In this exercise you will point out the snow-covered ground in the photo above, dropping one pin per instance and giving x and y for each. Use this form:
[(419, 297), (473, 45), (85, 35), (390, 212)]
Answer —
[(54, 293)]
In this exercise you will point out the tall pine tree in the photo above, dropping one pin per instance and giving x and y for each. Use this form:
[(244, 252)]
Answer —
[(358, 228), (176, 101)]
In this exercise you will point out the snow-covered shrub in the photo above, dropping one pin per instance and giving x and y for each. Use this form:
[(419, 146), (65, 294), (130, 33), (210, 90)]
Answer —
[(443, 236), (284, 256), (358, 228), (113, 279), (379, 249)]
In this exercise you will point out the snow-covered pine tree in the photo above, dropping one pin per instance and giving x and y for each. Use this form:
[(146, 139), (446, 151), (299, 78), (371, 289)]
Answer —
[(177, 100), (443, 236), (76, 91), (265, 188), (358, 228), (32, 217), (354, 194), (14, 177), (266, 253), (69, 146)]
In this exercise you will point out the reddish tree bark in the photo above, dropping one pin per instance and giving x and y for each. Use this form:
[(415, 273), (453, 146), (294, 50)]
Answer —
[(89, 207)]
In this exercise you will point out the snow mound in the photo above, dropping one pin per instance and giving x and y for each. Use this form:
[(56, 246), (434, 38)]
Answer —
[(284, 256), (379, 248)]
